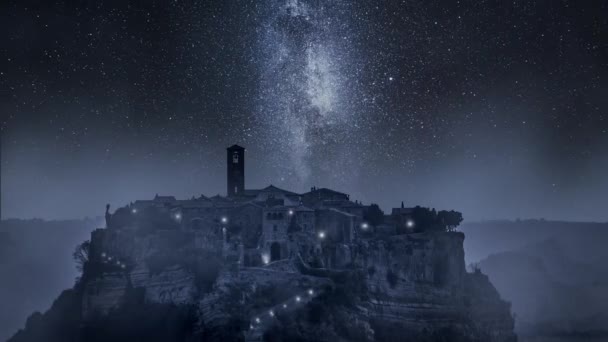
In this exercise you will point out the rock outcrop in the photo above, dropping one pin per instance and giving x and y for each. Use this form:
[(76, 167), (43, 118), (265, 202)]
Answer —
[(395, 287)]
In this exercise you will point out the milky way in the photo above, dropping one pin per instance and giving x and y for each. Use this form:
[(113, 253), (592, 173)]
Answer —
[(305, 94)]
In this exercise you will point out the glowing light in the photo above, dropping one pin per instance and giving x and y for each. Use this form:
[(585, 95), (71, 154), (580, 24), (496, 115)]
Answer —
[(290, 212), (178, 216), (271, 313), (110, 258), (224, 219), (103, 254), (123, 266), (321, 235), (311, 292), (284, 306), (265, 259), (134, 211), (390, 78), (257, 320), (298, 299), (410, 223), (364, 225)]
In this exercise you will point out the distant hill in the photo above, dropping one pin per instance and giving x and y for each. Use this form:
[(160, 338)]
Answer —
[(490, 237), (35, 265), (554, 273)]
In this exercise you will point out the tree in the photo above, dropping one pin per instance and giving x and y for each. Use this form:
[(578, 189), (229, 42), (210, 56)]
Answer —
[(81, 255), (374, 215), (425, 219), (454, 220), (449, 219)]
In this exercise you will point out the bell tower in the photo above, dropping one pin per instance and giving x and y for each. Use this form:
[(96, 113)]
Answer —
[(236, 170)]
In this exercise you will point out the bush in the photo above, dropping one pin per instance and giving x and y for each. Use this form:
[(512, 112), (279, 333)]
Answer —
[(204, 265), (136, 320), (151, 219), (206, 272), (392, 278), (374, 215)]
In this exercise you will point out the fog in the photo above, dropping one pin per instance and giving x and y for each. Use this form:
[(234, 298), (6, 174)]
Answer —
[(554, 273), (36, 265)]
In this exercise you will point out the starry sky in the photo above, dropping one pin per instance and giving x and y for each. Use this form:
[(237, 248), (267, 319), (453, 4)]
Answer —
[(494, 108)]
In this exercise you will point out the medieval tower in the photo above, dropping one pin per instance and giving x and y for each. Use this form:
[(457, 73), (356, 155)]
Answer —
[(236, 170)]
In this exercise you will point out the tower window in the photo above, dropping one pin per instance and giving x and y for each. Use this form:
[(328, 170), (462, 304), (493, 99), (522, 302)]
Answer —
[(235, 158)]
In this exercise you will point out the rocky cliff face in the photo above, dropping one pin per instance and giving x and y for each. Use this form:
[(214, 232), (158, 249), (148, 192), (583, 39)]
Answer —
[(406, 286), (420, 281)]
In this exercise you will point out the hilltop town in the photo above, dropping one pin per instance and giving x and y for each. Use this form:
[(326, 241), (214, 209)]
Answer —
[(271, 264), (256, 227)]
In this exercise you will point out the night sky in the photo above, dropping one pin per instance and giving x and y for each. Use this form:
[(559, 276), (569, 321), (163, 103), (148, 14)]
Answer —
[(494, 108)]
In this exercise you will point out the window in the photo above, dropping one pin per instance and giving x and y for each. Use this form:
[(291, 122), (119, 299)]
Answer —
[(235, 158)]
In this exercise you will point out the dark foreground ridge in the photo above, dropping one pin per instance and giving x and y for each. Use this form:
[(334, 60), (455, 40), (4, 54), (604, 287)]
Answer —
[(273, 265)]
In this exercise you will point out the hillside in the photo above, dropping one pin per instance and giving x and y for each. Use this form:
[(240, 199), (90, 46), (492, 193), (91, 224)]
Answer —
[(554, 273)]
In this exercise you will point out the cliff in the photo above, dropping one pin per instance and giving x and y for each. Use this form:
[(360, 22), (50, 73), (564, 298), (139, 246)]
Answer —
[(162, 286), (419, 283)]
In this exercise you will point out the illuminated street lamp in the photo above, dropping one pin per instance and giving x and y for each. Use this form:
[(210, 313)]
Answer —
[(134, 211), (364, 226), (178, 216), (290, 212), (410, 224), (311, 292), (321, 235), (298, 299), (271, 313), (265, 259), (224, 219)]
